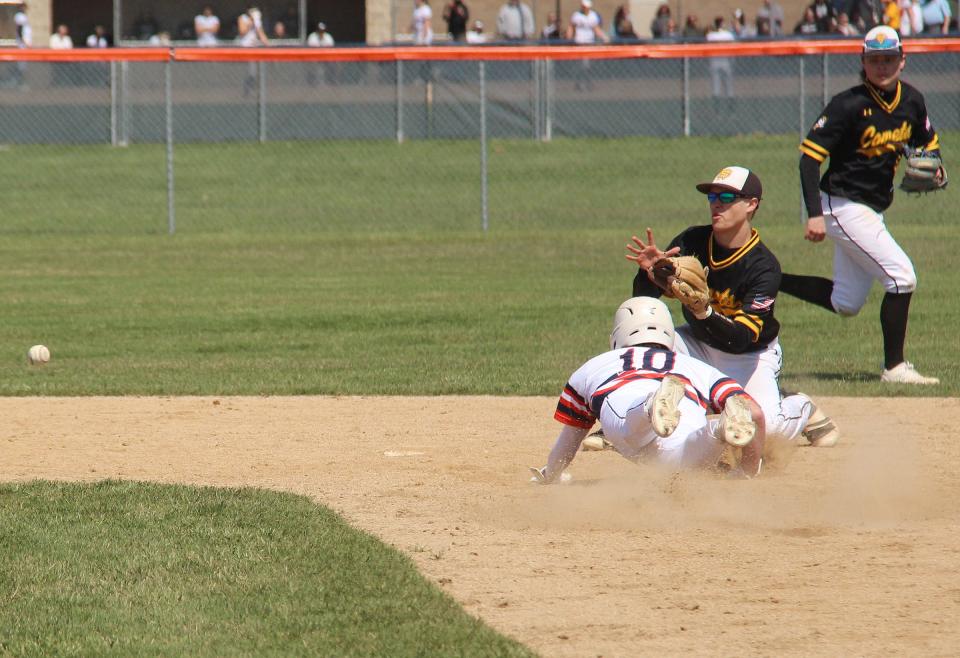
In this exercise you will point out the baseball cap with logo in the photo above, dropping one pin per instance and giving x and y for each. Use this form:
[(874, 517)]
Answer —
[(735, 179), (882, 40)]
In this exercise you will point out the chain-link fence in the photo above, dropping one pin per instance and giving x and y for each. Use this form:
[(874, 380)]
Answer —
[(155, 146)]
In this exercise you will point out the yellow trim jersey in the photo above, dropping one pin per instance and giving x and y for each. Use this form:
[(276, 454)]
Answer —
[(743, 290), (863, 131)]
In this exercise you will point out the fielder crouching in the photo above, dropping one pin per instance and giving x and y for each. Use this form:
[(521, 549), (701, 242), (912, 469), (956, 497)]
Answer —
[(652, 403)]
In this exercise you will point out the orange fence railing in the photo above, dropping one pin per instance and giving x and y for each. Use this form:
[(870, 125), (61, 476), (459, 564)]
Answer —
[(486, 53)]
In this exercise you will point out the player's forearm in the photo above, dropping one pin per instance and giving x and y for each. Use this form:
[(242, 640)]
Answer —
[(810, 184), (564, 450)]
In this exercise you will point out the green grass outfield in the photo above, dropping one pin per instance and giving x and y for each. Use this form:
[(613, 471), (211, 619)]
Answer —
[(123, 569), (360, 267), (346, 268)]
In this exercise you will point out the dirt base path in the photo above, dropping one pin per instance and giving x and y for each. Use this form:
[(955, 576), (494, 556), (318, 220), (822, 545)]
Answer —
[(846, 551)]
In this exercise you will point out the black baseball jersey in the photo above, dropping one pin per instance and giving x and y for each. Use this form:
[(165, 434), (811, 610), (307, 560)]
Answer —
[(743, 289), (862, 131)]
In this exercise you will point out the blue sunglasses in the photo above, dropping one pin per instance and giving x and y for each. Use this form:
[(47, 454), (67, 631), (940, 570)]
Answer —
[(723, 197)]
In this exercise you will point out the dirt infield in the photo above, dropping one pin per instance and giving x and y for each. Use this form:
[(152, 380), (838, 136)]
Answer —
[(845, 551)]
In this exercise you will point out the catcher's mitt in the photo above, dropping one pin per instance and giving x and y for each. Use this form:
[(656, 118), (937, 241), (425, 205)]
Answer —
[(683, 278), (923, 173)]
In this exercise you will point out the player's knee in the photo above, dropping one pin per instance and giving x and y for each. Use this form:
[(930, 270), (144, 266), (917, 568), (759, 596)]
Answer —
[(846, 309), (903, 284)]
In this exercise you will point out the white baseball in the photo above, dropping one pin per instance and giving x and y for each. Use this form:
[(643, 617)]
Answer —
[(38, 355)]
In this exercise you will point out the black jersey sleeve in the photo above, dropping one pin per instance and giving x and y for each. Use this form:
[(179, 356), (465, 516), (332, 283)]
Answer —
[(828, 130), (925, 137), (810, 185)]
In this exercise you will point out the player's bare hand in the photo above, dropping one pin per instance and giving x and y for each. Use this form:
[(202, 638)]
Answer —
[(645, 254), (816, 229)]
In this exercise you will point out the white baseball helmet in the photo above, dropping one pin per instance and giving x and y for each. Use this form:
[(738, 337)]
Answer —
[(642, 320)]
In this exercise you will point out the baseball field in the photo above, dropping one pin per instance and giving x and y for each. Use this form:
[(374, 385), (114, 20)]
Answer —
[(235, 414)]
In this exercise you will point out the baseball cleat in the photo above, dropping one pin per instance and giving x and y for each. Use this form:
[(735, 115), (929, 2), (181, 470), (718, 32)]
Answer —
[(664, 411), (905, 373), (736, 422), (595, 442), (820, 430)]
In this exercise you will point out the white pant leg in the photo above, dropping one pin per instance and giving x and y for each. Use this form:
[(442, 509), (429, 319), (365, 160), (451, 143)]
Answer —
[(692, 445), (864, 251), (626, 425), (624, 418), (759, 375)]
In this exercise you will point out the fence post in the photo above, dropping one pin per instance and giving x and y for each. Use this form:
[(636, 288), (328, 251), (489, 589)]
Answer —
[(124, 103), (168, 97), (824, 74), (400, 101), (262, 101), (484, 214), (803, 97), (114, 105), (535, 84), (548, 85), (686, 96), (803, 123)]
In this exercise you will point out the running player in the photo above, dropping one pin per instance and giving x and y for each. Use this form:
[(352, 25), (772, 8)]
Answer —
[(737, 333), (863, 131), (652, 403)]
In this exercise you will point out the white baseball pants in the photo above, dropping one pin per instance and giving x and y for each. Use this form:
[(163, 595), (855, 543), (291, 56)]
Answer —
[(759, 375), (626, 425), (863, 251)]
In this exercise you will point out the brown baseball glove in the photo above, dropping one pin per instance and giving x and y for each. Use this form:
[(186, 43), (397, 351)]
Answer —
[(683, 278)]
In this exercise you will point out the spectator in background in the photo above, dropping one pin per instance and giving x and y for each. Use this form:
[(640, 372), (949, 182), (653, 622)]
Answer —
[(515, 21), (844, 27), (456, 15), (721, 68), (60, 40), (24, 33), (622, 25), (553, 29), (773, 12), (476, 35), (23, 38), (741, 28), (911, 17), (763, 27), (99, 38), (207, 26), (250, 32), (584, 26), (658, 25), (291, 19), (321, 38), (936, 16), (691, 28), (807, 24), (891, 14), (825, 15), (671, 31), (146, 25), (421, 23), (279, 30), (161, 38), (866, 14)]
